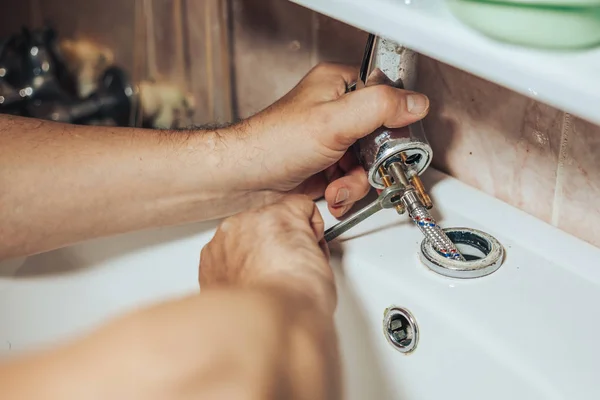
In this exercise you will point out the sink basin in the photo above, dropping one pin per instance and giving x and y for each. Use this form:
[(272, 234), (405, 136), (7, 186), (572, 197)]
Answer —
[(523, 332)]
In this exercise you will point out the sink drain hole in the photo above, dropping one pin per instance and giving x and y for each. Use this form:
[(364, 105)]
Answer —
[(400, 329), (470, 245), (483, 254)]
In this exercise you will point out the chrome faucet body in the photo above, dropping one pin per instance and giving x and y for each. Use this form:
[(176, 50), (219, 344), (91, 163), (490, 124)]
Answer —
[(386, 62), (395, 157)]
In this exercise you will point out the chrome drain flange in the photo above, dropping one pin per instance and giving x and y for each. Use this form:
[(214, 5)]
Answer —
[(483, 252), (400, 329)]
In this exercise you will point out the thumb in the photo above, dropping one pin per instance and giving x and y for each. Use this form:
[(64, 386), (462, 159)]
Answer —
[(359, 113)]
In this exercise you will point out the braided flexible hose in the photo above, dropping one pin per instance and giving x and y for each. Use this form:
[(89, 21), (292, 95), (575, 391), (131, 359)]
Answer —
[(430, 229), (421, 217)]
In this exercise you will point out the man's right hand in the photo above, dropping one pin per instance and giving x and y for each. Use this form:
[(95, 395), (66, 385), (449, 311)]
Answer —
[(279, 247), (265, 270)]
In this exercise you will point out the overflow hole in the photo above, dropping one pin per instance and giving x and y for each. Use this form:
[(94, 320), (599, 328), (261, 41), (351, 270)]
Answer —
[(401, 329)]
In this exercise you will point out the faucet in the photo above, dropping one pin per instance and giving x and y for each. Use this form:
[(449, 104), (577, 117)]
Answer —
[(394, 158)]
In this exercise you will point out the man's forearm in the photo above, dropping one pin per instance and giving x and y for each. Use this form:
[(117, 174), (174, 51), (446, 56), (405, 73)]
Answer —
[(61, 183), (242, 344)]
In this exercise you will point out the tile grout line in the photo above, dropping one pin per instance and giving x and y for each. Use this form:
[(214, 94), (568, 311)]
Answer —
[(562, 155)]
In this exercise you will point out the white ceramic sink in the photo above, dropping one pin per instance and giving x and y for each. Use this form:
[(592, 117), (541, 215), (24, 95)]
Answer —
[(528, 331)]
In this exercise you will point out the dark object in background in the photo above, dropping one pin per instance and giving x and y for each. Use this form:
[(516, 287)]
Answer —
[(34, 82), (30, 68), (110, 101)]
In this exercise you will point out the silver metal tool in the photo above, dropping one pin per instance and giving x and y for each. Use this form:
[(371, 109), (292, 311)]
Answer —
[(394, 158), (390, 197)]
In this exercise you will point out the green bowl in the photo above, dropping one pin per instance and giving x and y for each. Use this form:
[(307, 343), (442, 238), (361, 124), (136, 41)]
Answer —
[(560, 3), (544, 26)]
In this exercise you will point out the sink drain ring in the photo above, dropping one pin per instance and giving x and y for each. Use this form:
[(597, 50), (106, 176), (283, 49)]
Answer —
[(489, 246), (400, 329)]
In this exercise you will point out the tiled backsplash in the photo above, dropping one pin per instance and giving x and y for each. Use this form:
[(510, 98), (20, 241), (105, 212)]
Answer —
[(525, 153)]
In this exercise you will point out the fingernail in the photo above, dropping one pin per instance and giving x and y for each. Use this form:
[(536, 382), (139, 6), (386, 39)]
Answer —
[(342, 196), (417, 103)]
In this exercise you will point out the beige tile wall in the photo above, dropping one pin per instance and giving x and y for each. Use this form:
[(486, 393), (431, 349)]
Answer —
[(272, 46), (528, 154)]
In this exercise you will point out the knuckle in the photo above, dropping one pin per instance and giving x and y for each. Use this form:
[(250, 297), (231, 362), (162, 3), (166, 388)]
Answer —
[(365, 188), (323, 67), (271, 218), (299, 205), (283, 216), (206, 253), (361, 183), (226, 224), (291, 212), (384, 98), (206, 250)]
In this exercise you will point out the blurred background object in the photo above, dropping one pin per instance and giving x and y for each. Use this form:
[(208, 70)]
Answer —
[(76, 81), (188, 62)]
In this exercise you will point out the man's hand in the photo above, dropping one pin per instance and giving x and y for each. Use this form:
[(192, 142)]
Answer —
[(278, 247), (262, 327), (300, 144)]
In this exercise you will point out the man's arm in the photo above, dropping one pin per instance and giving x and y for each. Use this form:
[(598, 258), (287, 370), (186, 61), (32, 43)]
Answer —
[(223, 344), (60, 184), (64, 183)]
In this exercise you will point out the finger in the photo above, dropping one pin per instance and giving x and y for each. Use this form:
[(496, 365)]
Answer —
[(300, 206), (348, 189), (378, 77), (307, 211), (361, 112), (332, 79), (348, 73), (325, 248)]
